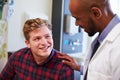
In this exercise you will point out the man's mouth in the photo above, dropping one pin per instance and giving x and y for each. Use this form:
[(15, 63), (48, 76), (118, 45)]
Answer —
[(44, 48)]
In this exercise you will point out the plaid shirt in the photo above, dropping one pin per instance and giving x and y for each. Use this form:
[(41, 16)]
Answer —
[(21, 66)]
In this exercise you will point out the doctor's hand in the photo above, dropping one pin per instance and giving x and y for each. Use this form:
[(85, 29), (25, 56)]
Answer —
[(70, 61)]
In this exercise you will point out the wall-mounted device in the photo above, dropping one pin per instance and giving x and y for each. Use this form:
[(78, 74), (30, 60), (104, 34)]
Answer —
[(72, 36), (70, 26), (8, 9), (72, 43)]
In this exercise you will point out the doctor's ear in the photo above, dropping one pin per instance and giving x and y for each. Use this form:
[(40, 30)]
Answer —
[(96, 12)]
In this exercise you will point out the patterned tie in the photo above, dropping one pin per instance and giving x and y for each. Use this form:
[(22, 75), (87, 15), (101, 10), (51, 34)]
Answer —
[(97, 44)]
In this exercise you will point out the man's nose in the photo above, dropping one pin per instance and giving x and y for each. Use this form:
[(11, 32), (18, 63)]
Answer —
[(43, 41)]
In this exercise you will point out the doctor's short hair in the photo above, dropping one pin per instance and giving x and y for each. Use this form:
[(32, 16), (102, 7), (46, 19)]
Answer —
[(32, 24)]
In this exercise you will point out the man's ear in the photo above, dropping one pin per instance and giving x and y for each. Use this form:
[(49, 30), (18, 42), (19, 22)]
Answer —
[(27, 43), (96, 12)]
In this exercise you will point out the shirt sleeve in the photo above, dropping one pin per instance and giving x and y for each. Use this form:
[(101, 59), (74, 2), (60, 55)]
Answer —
[(8, 71), (67, 73), (81, 70)]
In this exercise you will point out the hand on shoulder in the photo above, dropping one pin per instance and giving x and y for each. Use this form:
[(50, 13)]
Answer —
[(70, 61)]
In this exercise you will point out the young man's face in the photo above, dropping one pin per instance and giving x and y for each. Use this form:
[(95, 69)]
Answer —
[(40, 42)]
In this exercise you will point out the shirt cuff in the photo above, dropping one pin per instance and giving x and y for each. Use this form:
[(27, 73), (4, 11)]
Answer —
[(81, 69)]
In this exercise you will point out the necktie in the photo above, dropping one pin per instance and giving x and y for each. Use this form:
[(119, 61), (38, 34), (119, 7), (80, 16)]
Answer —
[(97, 44)]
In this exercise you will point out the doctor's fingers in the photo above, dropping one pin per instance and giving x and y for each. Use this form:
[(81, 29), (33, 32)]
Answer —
[(72, 64), (66, 57), (67, 62)]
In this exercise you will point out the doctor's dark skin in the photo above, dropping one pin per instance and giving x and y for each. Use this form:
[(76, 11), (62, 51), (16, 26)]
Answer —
[(93, 16)]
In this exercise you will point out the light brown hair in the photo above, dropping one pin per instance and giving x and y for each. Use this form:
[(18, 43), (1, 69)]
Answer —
[(32, 24)]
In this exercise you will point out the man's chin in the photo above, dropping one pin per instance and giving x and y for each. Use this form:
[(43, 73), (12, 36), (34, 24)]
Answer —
[(91, 34)]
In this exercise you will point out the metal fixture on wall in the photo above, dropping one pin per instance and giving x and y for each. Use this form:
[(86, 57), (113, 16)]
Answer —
[(72, 36)]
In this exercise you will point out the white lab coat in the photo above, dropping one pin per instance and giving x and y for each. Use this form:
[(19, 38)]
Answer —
[(105, 64)]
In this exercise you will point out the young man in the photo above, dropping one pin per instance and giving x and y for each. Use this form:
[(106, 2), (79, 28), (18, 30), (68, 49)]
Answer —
[(96, 16), (38, 61)]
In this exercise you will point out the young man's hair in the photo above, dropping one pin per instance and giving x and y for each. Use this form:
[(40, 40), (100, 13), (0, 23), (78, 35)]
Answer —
[(32, 24)]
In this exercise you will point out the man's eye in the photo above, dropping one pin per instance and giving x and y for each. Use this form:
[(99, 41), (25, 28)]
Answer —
[(36, 39), (48, 36)]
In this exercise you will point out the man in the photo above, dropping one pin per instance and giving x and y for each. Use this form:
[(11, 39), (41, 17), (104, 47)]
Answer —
[(96, 16), (39, 61)]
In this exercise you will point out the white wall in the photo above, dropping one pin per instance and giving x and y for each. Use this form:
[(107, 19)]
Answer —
[(15, 22), (115, 5)]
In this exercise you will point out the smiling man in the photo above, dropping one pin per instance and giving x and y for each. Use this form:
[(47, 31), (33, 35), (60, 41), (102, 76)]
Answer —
[(101, 61), (38, 61)]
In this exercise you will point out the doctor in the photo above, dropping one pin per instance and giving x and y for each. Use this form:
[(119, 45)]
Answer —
[(96, 16)]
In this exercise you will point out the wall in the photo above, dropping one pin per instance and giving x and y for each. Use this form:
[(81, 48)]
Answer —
[(15, 23), (115, 6)]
